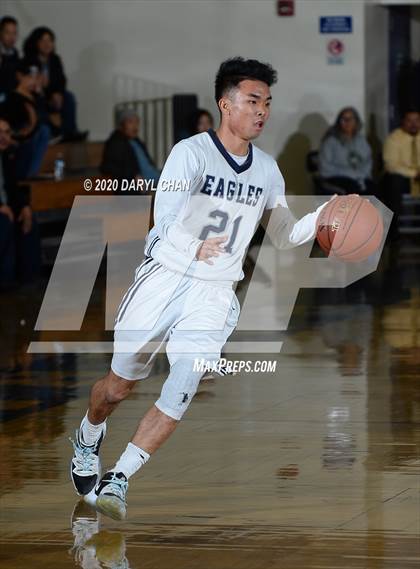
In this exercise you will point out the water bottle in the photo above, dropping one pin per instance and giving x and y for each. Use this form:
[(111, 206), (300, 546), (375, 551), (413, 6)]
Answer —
[(59, 166)]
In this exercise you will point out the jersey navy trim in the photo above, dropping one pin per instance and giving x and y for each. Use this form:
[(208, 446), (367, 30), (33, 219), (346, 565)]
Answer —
[(146, 262), (142, 279), (152, 244), (237, 167)]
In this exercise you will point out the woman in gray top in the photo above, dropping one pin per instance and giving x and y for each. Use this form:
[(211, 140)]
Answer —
[(345, 157)]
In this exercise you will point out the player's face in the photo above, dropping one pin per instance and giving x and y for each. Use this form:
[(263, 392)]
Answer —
[(249, 108)]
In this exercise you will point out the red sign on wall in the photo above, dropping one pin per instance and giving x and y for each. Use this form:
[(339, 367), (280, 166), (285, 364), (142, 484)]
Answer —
[(335, 52), (335, 47), (286, 7)]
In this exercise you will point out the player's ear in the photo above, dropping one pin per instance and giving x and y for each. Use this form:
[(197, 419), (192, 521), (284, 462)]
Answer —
[(224, 105)]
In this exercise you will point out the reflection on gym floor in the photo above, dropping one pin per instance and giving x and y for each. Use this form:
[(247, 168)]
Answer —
[(314, 466)]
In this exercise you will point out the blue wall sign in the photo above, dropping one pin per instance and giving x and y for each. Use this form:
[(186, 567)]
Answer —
[(335, 24)]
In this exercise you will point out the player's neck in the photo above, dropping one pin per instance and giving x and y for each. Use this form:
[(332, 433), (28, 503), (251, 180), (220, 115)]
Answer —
[(232, 142)]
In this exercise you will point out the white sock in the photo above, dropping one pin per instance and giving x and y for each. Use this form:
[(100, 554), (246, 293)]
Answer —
[(90, 433), (131, 460)]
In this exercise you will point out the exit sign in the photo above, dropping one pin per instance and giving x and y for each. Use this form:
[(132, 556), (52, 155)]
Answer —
[(286, 7)]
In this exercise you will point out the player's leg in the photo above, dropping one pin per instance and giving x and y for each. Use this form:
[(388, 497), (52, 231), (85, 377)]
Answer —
[(134, 328), (154, 429), (105, 395), (142, 326), (188, 341)]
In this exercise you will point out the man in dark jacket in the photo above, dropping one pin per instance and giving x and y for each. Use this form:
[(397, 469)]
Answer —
[(19, 237), (125, 156), (9, 56)]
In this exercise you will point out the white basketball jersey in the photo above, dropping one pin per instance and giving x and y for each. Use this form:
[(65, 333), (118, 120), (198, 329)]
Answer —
[(204, 192)]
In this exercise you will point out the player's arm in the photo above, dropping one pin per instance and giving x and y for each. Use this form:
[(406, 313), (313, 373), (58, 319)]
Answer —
[(169, 208), (284, 230), (170, 205)]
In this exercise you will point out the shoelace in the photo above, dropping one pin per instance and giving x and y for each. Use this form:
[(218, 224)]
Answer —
[(85, 457), (116, 486)]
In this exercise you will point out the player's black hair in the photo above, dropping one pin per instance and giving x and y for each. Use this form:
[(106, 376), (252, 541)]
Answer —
[(7, 20), (233, 71)]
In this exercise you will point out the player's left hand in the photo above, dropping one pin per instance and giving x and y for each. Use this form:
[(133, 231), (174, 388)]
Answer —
[(211, 247)]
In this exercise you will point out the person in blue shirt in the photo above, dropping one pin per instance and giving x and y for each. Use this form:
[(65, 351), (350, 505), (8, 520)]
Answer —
[(125, 156)]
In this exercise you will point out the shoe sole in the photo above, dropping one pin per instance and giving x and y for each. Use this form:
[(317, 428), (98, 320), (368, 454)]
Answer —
[(112, 507)]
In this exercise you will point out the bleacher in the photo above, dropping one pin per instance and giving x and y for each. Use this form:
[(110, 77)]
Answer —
[(163, 122), (81, 159), (52, 199)]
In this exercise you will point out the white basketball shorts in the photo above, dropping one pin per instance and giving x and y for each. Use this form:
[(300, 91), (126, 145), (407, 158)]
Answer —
[(193, 317)]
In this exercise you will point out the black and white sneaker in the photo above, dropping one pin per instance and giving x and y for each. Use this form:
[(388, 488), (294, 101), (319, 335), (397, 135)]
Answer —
[(85, 466), (111, 492)]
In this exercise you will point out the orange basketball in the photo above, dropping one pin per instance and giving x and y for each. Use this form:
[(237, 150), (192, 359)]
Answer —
[(349, 228)]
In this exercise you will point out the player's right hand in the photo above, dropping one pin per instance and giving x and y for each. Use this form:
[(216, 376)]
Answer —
[(211, 247)]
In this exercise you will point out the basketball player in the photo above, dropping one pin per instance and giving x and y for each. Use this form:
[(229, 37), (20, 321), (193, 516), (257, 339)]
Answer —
[(183, 291)]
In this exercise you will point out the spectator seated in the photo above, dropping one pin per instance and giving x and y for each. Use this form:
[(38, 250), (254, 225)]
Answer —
[(321, 186), (402, 178)]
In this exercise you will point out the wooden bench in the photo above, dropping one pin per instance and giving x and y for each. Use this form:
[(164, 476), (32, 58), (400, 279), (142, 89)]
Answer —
[(47, 195), (52, 202), (76, 155)]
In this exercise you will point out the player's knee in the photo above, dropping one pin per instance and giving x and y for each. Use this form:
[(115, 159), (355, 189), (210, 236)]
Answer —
[(179, 388), (175, 405), (117, 388)]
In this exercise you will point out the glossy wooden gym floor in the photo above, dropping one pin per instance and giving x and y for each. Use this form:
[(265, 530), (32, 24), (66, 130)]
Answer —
[(316, 466)]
